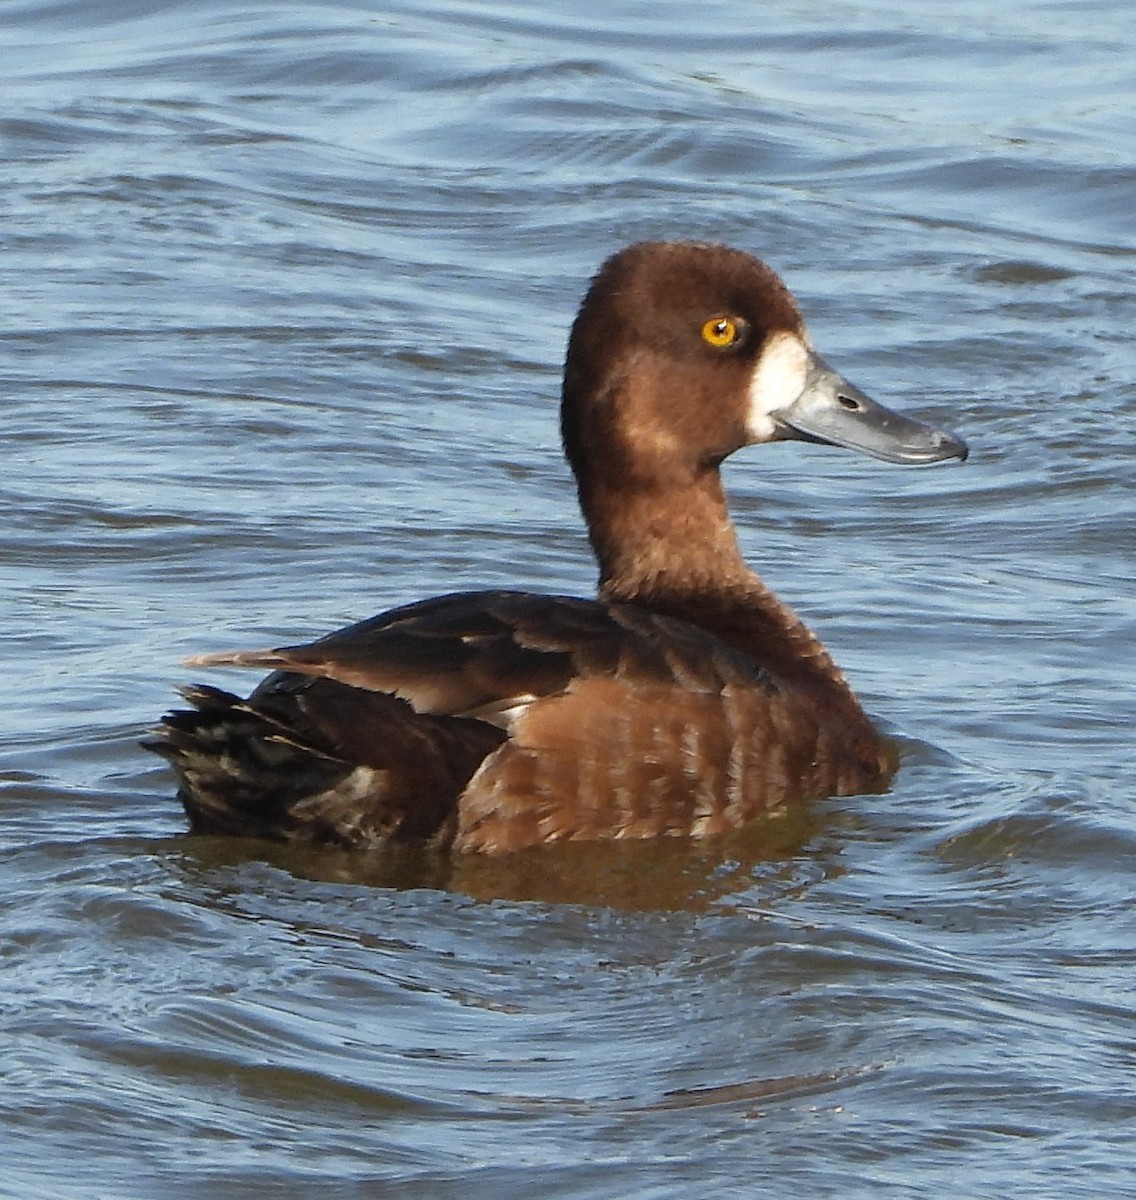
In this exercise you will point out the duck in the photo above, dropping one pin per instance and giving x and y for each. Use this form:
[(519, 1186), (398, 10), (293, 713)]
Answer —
[(685, 699)]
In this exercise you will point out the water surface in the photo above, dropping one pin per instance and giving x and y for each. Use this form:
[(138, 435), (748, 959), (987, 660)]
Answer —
[(285, 294)]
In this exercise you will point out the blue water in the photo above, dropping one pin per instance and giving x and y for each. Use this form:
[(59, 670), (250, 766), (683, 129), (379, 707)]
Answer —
[(284, 292)]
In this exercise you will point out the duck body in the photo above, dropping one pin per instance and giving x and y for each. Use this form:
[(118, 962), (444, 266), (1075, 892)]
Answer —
[(686, 699)]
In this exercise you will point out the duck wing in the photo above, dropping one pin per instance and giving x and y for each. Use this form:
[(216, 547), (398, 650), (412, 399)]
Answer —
[(489, 655)]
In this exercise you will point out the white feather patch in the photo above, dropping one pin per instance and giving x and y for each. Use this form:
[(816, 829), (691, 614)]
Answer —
[(778, 379)]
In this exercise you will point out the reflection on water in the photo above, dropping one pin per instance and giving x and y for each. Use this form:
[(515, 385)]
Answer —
[(285, 297), (653, 876)]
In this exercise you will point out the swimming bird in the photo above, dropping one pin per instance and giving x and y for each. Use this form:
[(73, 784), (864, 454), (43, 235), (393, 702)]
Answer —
[(685, 699)]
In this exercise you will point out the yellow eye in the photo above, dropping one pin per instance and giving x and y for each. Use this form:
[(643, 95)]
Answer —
[(721, 332)]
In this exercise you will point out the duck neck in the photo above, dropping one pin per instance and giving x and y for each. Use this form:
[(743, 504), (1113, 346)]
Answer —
[(672, 548)]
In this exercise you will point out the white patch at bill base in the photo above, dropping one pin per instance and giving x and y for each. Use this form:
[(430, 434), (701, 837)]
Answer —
[(778, 380)]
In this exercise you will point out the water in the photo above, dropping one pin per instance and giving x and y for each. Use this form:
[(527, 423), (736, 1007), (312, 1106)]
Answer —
[(284, 295)]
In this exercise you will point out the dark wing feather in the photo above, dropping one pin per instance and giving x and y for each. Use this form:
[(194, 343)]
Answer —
[(490, 654)]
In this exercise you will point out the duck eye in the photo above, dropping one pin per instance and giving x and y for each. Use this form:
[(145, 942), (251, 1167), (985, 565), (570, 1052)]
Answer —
[(721, 332)]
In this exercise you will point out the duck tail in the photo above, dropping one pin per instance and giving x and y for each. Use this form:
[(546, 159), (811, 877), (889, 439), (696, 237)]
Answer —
[(239, 770), (264, 767)]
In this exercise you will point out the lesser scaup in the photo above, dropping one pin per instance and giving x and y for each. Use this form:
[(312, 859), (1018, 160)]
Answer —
[(686, 699)]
